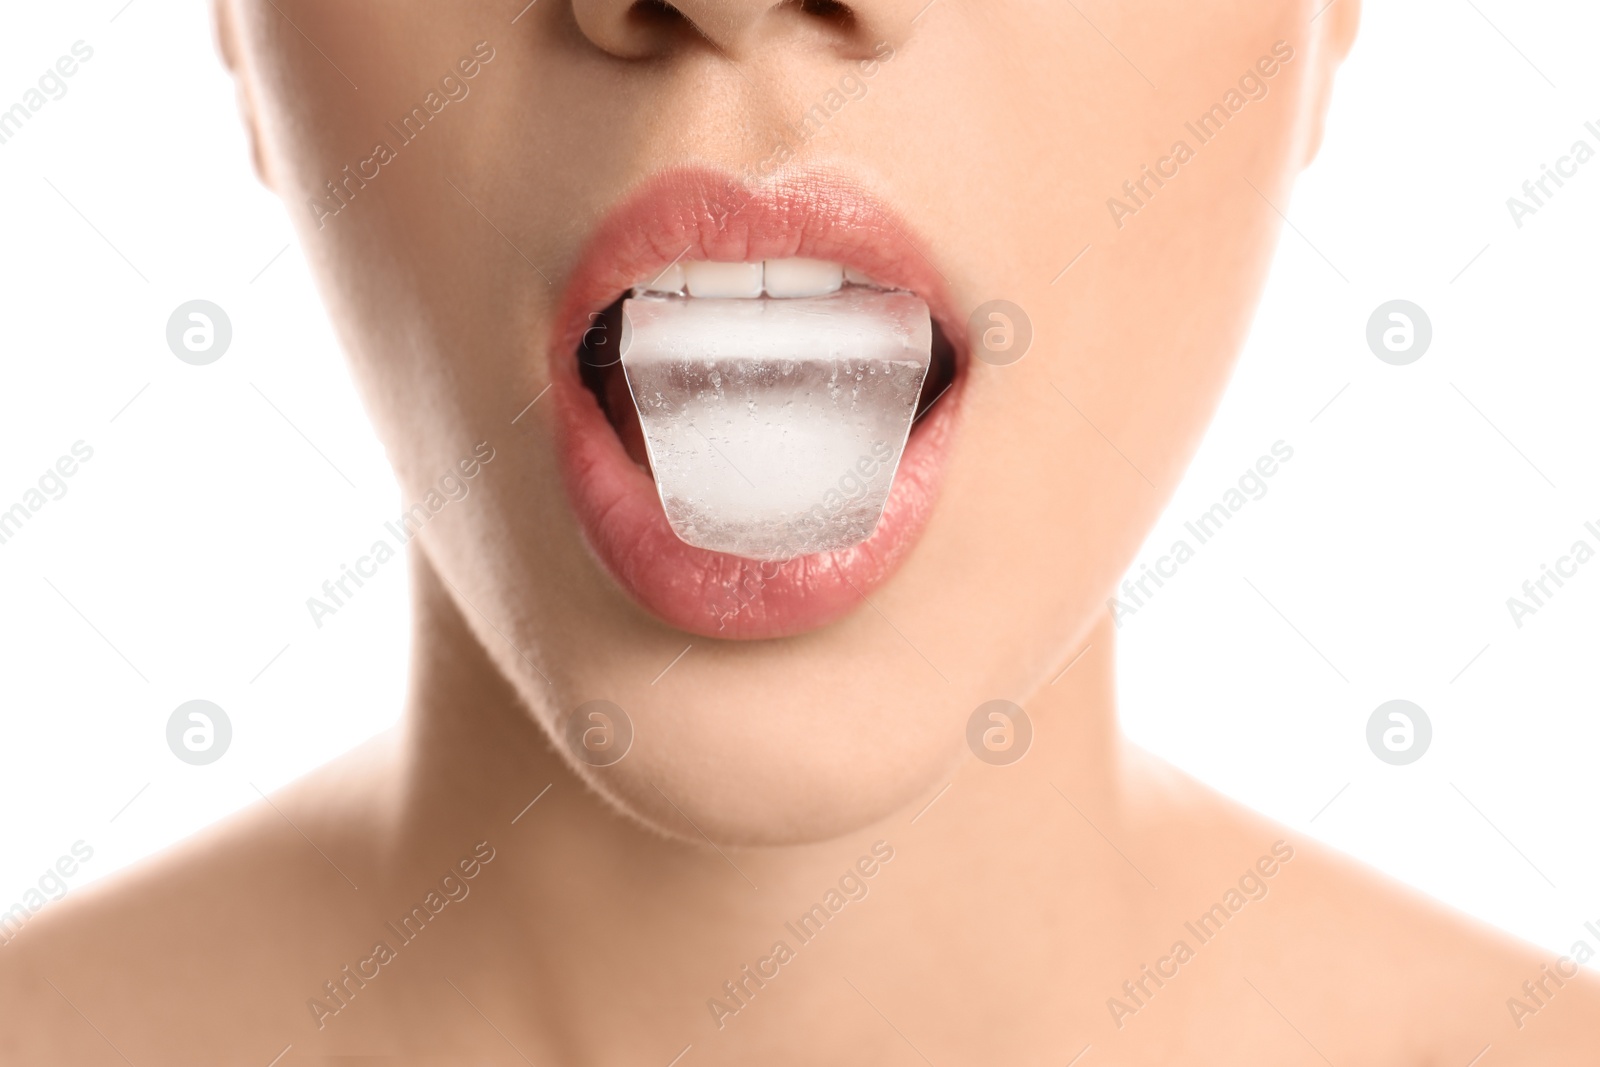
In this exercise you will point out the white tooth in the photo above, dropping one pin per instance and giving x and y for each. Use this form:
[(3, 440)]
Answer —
[(855, 277), (667, 281), (803, 277), (723, 279)]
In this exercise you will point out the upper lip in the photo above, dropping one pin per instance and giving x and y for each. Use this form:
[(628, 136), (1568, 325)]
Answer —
[(811, 215)]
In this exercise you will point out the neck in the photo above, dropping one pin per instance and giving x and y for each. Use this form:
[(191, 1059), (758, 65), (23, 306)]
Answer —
[(582, 885)]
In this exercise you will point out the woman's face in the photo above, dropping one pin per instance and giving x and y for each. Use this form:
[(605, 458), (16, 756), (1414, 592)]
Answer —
[(475, 181)]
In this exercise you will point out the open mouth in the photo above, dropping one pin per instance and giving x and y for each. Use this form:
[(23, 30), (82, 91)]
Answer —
[(768, 405), (813, 264)]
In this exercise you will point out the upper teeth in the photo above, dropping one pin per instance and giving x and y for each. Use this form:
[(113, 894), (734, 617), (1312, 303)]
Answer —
[(775, 277)]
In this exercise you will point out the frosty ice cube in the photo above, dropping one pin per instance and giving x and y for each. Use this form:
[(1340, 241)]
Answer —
[(774, 426)]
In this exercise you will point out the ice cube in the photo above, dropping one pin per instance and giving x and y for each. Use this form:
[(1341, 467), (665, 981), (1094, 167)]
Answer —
[(775, 426)]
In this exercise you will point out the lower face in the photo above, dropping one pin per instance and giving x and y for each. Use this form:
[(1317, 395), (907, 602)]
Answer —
[(985, 151)]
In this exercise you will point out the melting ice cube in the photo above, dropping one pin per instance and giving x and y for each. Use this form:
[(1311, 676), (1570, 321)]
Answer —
[(774, 426)]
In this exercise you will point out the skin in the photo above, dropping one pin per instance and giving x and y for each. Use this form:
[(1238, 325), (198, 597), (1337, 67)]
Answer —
[(1019, 902)]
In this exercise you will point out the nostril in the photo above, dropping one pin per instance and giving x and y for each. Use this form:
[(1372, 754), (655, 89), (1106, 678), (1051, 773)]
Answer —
[(644, 29), (650, 28), (656, 15), (836, 14)]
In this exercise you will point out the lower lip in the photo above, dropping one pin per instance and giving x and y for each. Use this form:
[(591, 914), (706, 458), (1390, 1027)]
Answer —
[(713, 594)]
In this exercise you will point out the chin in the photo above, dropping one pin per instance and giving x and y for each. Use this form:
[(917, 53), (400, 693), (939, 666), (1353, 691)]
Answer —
[(759, 765)]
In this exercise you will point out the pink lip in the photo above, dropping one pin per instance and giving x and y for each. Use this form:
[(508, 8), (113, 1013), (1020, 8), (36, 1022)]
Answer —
[(703, 214)]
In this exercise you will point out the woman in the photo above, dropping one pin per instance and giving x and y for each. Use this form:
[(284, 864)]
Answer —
[(654, 803)]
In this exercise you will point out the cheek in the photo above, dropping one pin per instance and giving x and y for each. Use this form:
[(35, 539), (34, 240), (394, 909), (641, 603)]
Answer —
[(1079, 445)]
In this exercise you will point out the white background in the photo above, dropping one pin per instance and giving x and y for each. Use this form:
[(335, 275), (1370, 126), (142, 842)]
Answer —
[(1376, 567)]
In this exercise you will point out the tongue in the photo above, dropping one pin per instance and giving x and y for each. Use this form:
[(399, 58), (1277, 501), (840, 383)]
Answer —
[(774, 426)]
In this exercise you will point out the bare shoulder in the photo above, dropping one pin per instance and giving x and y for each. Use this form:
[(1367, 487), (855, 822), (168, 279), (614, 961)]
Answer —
[(1356, 965), (192, 948)]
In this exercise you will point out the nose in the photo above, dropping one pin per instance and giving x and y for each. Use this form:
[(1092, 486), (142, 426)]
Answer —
[(642, 29)]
